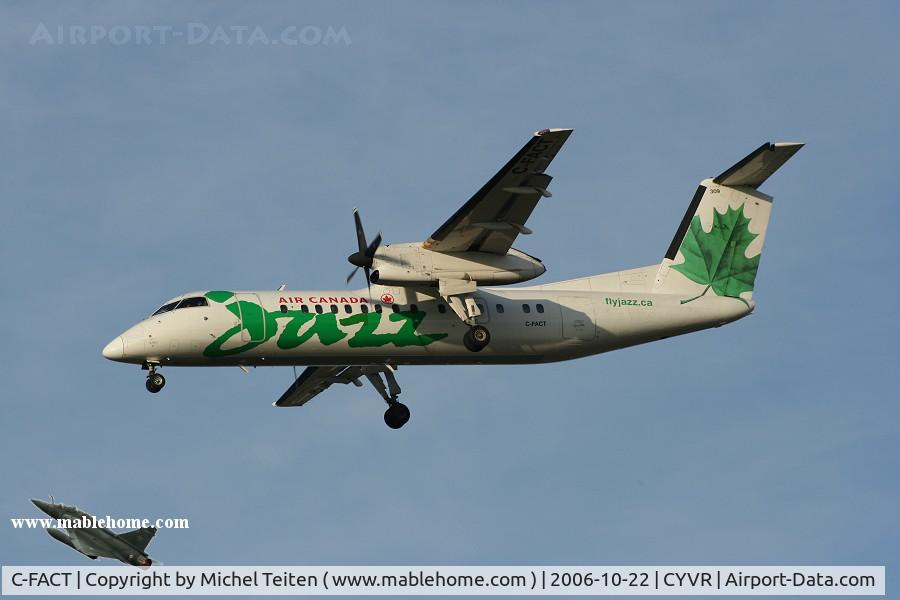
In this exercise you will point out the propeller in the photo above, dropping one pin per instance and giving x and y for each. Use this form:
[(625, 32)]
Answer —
[(365, 254)]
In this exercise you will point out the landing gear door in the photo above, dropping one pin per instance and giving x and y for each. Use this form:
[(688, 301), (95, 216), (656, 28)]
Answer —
[(253, 318), (485, 316), (578, 318)]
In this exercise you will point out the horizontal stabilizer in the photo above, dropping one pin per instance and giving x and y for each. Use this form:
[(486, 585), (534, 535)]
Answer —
[(758, 166)]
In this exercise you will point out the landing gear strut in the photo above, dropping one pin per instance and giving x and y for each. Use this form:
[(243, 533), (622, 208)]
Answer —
[(155, 381), (476, 338)]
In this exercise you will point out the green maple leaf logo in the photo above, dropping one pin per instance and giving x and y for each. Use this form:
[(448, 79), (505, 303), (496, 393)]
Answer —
[(717, 258)]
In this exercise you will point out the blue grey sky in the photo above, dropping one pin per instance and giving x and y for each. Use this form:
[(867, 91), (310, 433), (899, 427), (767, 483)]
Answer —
[(132, 173)]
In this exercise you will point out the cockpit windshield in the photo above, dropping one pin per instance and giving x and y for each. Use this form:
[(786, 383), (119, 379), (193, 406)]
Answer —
[(179, 304), (191, 302), (165, 308)]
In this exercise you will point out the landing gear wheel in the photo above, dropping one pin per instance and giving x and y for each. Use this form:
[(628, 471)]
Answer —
[(396, 415), (476, 338), (155, 382)]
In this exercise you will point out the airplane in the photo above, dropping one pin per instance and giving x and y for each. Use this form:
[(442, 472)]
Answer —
[(442, 301), (93, 542)]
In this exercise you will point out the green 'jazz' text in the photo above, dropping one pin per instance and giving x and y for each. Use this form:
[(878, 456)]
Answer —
[(261, 325)]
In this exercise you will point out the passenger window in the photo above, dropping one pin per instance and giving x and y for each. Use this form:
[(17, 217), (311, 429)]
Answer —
[(284, 308), (442, 308), (347, 309), (165, 308), (395, 308), (414, 307), (304, 308), (500, 308), (378, 308), (539, 307), (334, 308), (364, 308), (526, 309), (318, 309)]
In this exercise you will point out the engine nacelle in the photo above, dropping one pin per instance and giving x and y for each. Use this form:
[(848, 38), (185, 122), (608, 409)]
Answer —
[(398, 275), (411, 264)]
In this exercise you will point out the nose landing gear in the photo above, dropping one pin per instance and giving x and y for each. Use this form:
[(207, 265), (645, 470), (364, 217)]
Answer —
[(155, 381)]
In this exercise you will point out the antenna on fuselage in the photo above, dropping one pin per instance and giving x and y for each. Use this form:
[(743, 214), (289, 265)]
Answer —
[(281, 287)]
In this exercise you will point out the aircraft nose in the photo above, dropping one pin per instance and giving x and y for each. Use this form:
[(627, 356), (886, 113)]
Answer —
[(40, 504), (115, 350)]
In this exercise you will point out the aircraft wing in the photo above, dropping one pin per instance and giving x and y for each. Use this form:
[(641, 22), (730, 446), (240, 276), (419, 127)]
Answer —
[(85, 547), (492, 219), (315, 380), (139, 538)]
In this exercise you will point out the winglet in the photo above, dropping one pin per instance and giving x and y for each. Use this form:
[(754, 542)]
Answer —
[(759, 165)]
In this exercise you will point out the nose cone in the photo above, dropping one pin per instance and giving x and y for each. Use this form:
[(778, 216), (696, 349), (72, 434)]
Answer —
[(115, 350), (54, 510)]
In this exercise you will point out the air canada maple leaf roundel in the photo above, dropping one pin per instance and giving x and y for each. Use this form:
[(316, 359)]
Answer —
[(387, 298)]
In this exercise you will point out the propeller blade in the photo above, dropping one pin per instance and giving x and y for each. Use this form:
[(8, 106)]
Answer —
[(370, 251), (360, 233), (364, 257)]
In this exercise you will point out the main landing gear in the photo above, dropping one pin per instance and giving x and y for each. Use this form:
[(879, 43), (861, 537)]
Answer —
[(397, 413), (476, 338), (155, 381), (458, 296)]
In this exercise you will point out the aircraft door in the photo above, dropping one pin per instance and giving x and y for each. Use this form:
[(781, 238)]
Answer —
[(578, 318), (253, 318)]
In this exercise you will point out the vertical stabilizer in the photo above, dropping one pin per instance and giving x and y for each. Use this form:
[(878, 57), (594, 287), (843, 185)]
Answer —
[(139, 538), (717, 247)]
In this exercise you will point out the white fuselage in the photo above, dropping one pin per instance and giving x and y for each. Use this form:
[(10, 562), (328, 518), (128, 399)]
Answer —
[(535, 324)]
